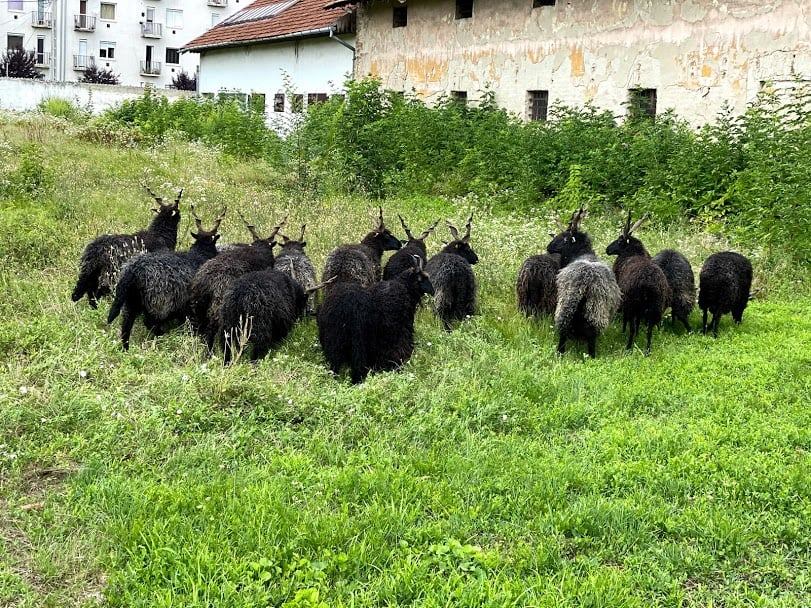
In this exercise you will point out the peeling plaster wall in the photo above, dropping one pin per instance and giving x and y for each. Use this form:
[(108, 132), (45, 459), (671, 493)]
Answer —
[(698, 54)]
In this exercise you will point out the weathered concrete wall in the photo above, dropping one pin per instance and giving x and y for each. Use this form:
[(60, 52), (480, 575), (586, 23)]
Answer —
[(22, 94), (698, 54)]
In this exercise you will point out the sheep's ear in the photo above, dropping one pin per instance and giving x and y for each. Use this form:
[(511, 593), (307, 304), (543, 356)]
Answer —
[(552, 234), (303, 243), (217, 237), (194, 235)]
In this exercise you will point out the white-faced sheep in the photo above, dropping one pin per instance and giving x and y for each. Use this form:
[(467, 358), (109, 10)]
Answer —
[(588, 295), (403, 259), (216, 275), (452, 276), (372, 328), (724, 284), (682, 283), (294, 261), (157, 284), (360, 263), (105, 255), (644, 287)]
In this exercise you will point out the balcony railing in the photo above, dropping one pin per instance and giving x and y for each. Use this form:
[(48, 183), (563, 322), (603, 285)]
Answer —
[(39, 19), (84, 23), (218, 3), (42, 59), (150, 68), (150, 29), (82, 62)]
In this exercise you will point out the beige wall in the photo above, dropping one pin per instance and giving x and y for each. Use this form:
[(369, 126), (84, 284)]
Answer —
[(698, 54)]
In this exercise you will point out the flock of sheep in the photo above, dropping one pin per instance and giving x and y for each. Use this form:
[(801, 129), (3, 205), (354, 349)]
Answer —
[(245, 297)]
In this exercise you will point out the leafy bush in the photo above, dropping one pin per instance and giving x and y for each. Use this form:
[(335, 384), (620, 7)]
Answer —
[(183, 82), (96, 75), (30, 176), (62, 108), (17, 63)]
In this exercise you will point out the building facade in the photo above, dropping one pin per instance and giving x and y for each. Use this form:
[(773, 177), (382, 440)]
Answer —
[(139, 40), (279, 56), (693, 56)]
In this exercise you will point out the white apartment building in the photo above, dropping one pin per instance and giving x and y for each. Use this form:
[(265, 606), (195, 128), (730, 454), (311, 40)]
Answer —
[(140, 40)]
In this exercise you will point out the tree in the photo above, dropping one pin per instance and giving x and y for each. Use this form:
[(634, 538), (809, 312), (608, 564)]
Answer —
[(17, 63), (95, 75), (183, 82)]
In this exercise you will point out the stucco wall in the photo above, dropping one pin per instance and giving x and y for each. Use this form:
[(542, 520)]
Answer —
[(21, 94), (314, 65), (698, 54)]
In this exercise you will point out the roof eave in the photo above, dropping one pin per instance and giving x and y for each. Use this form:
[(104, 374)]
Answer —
[(323, 31)]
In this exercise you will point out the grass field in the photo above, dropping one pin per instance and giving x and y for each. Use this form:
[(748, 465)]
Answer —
[(488, 472)]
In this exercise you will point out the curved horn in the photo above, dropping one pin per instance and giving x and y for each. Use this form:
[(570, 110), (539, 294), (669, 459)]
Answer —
[(637, 224), (321, 285), (418, 262), (380, 225), (454, 231), (178, 197), (425, 234), (278, 227), (251, 227), (219, 220), (405, 227), (301, 236), (197, 219), (466, 238), (157, 198)]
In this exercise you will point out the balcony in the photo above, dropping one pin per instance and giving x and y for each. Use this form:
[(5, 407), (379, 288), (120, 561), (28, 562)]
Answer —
[(218, 3), (82, 62), (39, 19), (150, 29), (150, 68), (42, 59), (84, 23)]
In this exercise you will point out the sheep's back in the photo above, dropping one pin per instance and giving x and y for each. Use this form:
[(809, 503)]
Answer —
[(536, 285), (644, 287), (680, 278), (450, 274), (587, 286), (724, 281), (351, 264), (402, 260), (163, 279)]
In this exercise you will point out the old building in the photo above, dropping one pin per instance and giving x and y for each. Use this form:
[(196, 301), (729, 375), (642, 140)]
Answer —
[(690, 55), (139, 40), (278, 55)]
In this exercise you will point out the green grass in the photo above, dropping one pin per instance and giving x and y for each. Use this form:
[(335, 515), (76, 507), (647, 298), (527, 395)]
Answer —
[(487, 472)]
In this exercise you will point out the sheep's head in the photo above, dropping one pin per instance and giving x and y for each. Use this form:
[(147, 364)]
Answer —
[(207, 239), (166, 211), (571, 241), (417, 241), (296, 244), (381, 236), (626, 244), (258, 239), (416, 277), (460, 245)]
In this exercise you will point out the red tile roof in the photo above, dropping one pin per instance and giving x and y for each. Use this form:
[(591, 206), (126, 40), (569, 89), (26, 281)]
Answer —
[(303, 18)]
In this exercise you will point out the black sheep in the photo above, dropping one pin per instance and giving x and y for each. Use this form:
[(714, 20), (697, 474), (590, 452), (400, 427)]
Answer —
[(644, 287), (259, 309), (157, 284), (452, 276), (216, 275), (536, 286), (372, 328), (724, 284), (588, 295), (682, 283), (105, 255), (360, 263), (403, 260), (294, 261)]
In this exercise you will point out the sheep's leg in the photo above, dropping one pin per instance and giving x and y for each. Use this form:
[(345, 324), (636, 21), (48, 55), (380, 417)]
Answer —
[(593, 347), (704, 323), (259, 352), (686, 322), (562, 345), (716, 321), (650, 336), (632, 335), (359, 374), (127, 321), (211, 336)]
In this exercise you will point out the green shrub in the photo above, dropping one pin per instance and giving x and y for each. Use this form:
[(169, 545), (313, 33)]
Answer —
[(29, 177), (62, 108)]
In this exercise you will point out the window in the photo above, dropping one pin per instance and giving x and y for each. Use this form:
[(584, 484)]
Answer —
[(215, 19), (540, 3), (464, 9), (278, 102), (107, 50), (538, 104), (314, 98), (107, 12), (297, 103), (15, 5), (174, 18), (15, 42), (172, 55), (641, 103), (459, 97), (399, 16)]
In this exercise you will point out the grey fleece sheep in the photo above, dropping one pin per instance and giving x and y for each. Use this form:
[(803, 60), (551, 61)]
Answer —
[(104, 257), (452, 277), (724, 284), (293, 261), (214, 278), (682, 283), (157, 284), (360, 263), (588, 295), (644, 287)]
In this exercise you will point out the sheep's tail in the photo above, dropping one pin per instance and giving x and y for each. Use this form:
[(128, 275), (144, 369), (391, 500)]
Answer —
[(359, 356), (570, 299), (122, 289)]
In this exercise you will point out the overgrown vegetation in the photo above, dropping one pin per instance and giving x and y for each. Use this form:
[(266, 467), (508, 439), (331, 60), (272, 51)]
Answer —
[(96, 75), (183, 82), (19, 63)]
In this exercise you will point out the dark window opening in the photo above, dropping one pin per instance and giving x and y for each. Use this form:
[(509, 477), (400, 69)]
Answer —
[(399, 16), (641, 103), (278, 102), (464, 9), (172, 55), (313, 98), (540, 3), (459, 97), (15, 42), (538, 104), (297, 103)]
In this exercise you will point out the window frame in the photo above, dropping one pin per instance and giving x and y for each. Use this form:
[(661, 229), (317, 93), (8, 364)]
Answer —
[(174, 11), (15, 35), (166, 56), (537, 95), (640, 106), (543, 3), (278, 102), (20, 3), (101, 11), (106, 46)]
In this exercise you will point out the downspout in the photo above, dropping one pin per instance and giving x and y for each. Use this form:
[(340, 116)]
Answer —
[(334, 36)]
